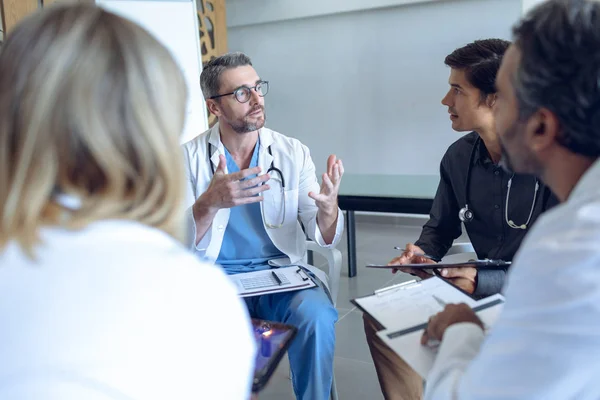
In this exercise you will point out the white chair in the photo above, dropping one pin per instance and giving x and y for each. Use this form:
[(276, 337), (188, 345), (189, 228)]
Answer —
[(334, 263)]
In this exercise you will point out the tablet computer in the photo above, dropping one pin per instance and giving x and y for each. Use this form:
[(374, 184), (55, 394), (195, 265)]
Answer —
[(272, 341)]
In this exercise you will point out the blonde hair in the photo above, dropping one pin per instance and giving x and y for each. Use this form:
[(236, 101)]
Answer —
[(91, 105)]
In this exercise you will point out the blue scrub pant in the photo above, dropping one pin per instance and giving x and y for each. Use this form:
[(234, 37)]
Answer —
[(311, 352)]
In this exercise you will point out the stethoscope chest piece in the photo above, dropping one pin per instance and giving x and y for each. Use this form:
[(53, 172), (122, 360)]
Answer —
[(466, 214)]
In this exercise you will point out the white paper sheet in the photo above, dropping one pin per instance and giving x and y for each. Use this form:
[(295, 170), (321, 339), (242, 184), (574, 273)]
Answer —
[(421, 358), (411, 304)]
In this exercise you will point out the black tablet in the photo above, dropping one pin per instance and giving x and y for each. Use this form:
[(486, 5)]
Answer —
[(272, 341)]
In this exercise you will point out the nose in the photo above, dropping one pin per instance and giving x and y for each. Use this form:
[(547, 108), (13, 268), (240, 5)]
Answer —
[(255, 98), (446, 100)]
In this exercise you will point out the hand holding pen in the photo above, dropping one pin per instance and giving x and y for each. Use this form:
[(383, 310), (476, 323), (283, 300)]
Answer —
[(416, 251), (412, 254)]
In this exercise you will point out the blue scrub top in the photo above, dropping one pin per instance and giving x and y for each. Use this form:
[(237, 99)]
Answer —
[(246, 245)]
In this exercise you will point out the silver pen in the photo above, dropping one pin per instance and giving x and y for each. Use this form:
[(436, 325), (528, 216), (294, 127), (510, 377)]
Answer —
[(432, 258), (403, 285)]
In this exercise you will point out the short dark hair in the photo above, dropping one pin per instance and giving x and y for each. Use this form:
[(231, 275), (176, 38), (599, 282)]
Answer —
[(559, 42), (481, 61), (211, 73)]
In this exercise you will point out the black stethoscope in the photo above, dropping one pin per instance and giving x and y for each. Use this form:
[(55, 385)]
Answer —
[(271, 169), (466, 214)]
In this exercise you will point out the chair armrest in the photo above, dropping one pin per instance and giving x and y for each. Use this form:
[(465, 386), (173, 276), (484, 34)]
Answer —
[(334, 262)]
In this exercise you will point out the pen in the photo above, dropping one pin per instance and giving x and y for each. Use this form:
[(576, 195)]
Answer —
[(276, 278), (440, 301), (416, 254), (397, 286)]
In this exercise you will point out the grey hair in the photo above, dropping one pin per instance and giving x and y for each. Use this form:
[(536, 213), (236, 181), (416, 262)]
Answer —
[(211, 73), (559, 42)]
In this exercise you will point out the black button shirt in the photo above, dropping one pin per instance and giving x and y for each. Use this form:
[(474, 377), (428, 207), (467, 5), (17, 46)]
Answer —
[(487, 195)]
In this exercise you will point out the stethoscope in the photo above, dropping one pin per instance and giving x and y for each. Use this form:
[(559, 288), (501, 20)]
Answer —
[(271, 169), (466, 214)]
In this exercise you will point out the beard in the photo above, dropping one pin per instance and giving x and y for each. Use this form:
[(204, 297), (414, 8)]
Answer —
[(245, 125), (521, 159)]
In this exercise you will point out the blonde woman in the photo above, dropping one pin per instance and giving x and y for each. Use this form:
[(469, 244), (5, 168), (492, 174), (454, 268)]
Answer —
[(98, 298)]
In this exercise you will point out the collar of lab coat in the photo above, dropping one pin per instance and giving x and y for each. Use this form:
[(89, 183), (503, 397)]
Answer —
[(264, 158)]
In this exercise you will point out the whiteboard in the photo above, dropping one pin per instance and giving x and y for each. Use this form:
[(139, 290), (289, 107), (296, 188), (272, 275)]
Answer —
[(174, 23)]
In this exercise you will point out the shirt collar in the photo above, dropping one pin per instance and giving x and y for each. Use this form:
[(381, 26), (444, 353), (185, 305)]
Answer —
[(482, 155), (265, 137)]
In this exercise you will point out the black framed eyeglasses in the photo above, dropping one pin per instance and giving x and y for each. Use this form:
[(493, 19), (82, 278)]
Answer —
[(243, 93)]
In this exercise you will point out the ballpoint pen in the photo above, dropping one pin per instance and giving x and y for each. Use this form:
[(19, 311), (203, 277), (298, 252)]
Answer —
[(440, 301), (403, 285), (276, 278), (432, 258)]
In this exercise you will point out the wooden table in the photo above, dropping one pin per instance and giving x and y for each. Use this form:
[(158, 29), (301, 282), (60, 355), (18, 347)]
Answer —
[(402, 194)]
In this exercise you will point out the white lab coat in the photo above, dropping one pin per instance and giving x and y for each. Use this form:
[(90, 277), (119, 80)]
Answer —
[(298, 169), (119, 310), (546, 342)]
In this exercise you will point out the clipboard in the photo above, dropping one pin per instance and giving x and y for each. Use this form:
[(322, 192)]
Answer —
[(478, 264), (413, 301), (405, 340), (271, 281)]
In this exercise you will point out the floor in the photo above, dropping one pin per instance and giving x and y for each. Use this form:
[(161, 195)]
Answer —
[(355, 374)]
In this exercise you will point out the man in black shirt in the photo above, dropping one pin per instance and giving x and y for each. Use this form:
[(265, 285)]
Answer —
[(502, 215), (497, 208)]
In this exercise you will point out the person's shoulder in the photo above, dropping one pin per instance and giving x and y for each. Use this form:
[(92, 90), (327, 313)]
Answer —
[(158, 254), (572, 227), (290, 145), (460, 149), (560, 254), (464, 143)]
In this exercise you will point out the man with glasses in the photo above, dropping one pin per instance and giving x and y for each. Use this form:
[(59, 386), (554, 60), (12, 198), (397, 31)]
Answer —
[(250, 189)]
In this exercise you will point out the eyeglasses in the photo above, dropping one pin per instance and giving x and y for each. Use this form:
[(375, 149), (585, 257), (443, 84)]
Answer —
[(243, 93)]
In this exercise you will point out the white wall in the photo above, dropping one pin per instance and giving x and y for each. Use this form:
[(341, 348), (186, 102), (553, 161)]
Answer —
[(363, 81), (529, 4)]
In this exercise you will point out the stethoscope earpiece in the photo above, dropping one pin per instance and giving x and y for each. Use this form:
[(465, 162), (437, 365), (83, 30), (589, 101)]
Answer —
[(515, 226)]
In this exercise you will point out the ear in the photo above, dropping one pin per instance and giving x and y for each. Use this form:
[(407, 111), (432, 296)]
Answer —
[(542, 130), (214, 107), (490, 100)]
